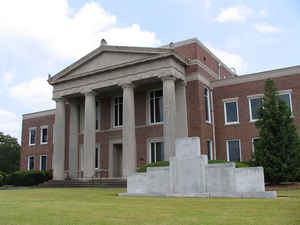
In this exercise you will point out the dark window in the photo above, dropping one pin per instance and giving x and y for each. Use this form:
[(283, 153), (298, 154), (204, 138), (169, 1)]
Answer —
[(32, 135), (255, 104), (118, 111), (286, 98), (234, 152), (254, 142), (156, 106), (43, 162), (44, 135), (231, 112), (207, 104), (31, 163), (157, 152), (97, 115), (209, 150), (97, 158)]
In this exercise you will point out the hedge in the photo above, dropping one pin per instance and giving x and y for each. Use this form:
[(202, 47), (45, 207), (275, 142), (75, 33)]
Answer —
[(28, 178), (156, 164), (166, 163), (1, 180)]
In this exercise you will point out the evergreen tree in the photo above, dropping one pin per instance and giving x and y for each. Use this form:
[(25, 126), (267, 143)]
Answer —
[(278, 149)]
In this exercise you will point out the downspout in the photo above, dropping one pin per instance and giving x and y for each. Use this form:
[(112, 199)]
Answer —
[(213, 123), (219, 71)]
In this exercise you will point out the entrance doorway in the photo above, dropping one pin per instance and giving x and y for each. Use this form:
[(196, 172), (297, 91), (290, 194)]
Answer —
[(117, 160)]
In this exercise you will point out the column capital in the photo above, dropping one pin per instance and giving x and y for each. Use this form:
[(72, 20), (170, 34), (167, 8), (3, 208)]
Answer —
[(59, 99), (127, 85), (88, 92), (167, 77)]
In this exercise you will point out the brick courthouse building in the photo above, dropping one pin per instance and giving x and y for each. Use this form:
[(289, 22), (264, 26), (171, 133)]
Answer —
[(118, 108)]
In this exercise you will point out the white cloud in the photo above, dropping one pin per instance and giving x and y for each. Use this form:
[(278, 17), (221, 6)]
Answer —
[(207, 4), (35, 94), (7, 77), (234, 14), (263, 13), (265, 28), (10, 124), (230, 59), (66, 33)]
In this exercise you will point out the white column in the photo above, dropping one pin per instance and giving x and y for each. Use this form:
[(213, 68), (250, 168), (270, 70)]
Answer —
[(181, 111), (58, 161), (89, 135), (169, 106), (73, 140), (128, 133)]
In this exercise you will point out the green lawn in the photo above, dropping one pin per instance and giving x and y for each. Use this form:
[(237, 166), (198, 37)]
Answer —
[(103, 206)]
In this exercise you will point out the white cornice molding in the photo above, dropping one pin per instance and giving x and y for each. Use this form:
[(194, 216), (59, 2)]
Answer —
[(203, 66), (295, 70), (39, 114), (199, 77)]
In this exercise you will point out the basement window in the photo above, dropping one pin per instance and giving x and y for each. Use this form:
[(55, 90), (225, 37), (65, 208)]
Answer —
[(156, 151)]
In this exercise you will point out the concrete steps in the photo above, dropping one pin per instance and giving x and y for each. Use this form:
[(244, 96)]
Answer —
[(97, 183)]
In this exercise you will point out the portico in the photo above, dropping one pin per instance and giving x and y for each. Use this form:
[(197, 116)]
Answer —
[(85, 81)]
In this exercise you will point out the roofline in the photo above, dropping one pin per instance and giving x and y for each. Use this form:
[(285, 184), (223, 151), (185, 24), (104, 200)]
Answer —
[(38, 114), (104, 69), (196, 40), (104, 48), (281, 72)]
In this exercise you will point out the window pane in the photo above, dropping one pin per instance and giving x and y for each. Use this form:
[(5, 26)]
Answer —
[(255, 104), (45, 135), (159, 152), (32, 136), (234, 151), (158, 93), (116, 115), (152, 110), (31, 163), (286, 99), (231, 112), (152, 153), (208, 150), (120, 114), (161, 110), (43, 162), (157, 110), (96, 157)]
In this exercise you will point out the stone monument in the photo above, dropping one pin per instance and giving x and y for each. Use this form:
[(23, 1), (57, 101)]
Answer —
[(190, 175)]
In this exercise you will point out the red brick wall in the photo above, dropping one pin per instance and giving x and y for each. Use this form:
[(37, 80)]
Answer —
[(194, 51), (245, 130), (38, 149)]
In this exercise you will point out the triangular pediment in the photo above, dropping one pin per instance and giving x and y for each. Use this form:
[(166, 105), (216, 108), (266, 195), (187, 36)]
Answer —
[(108, 57)]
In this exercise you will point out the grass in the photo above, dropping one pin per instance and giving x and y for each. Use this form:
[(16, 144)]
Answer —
[(103, 206)]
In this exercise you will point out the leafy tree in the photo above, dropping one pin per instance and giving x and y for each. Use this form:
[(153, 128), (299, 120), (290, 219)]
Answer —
[(9, 153), (278, 149)]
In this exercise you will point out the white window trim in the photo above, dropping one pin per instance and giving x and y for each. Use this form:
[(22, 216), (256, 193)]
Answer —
[(289, 92), (209, 106), (229, 100), (41, 134), (99, 114), (154, 140), (99, 158), (113, 112), (29, 141), (41, 161), (28, 161), (149, 107), (250, 107), (227, 148), (252, 140)]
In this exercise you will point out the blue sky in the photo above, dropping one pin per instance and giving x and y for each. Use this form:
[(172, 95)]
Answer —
[(40, 37)]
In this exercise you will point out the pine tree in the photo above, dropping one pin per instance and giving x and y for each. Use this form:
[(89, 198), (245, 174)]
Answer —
[(278, 149)]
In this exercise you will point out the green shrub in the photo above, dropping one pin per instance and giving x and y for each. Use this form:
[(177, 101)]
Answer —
[(156, 164), (237, 164), (28, 178)]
